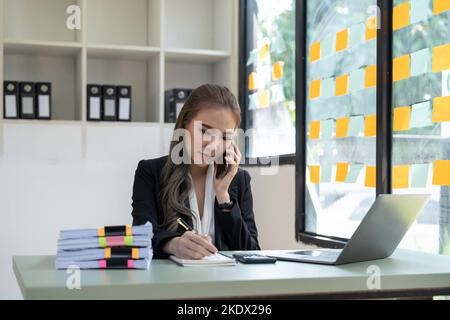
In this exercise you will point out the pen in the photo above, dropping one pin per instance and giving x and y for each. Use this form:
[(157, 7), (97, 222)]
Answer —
[(182, 223)]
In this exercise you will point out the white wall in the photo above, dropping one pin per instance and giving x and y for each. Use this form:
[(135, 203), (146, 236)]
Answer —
[(68, 175)]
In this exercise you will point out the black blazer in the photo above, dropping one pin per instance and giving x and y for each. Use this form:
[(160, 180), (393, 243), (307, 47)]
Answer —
[(235, 230)]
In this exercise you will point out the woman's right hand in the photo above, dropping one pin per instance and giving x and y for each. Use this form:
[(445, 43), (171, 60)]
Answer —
[(190, 246)]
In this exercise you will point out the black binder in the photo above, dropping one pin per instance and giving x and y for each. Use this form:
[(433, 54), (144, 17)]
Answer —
[(44, 100), (10, 100), (109, 105), (27, 100), (174, 102), (94, 102), (124, 103)]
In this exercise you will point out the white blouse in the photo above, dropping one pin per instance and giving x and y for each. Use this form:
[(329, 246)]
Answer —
[(206, 224)]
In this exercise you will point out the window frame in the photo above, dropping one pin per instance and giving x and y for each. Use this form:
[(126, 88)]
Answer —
[(244, 30), (384, 110)]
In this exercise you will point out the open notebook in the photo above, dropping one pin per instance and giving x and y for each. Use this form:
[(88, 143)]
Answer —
[(216, 260)]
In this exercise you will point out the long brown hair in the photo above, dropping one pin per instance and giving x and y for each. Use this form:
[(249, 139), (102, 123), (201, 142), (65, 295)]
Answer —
[(175, 182)]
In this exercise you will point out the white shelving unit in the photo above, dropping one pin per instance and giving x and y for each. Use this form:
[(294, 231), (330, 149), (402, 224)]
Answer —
[(152, 45)]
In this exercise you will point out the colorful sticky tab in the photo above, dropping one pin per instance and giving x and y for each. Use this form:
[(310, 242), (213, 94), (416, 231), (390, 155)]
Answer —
[(342, 40), (342, 127), (107, 253), (419, 175), (264, 51), (327, 128), (441, 173), (371, 28), (370, 77), (328, 88), (356, 36), (135, 253), (314, 89), (264, 99), (252, 81), (278, 70), (354, 172), (357, 80), (440, 59), (401, 68), (402, 117), (371, 177), (356, 126), (102, 242), (370, 126), (421, 115), (314, 130), (314, 52), (440, 6), (401, 16), (341, 85), (314, 174), (441, 109), (341, 171), (420, 62), (101, 232), (419, 10), (325, 173), (400, 177), (128, 241)]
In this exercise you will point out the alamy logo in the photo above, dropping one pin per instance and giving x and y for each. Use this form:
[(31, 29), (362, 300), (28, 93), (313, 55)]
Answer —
[(73, 21)]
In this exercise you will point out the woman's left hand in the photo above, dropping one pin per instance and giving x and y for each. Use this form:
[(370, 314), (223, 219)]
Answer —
[(233, 158)]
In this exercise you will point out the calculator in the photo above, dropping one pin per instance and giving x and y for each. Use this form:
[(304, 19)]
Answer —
[(253, 258)]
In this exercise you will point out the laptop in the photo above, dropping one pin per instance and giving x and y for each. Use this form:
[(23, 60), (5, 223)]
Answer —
[(377, 236)]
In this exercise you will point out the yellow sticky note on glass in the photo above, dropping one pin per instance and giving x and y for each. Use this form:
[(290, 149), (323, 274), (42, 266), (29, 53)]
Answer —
[(370, 79), (264, 99), (401, 16), (371, 177), (342, 40), (341, 88), (400, 177), (441, 173), (441, 60), (441, 109), (252, 81), (314, 174), (278, 70), (342, 127), (401, 68), (314, 89), (440, 6), (370, 126), (371, 28), (314, 130), (402, 119), (341, 171), (314, 52), (264, 51)]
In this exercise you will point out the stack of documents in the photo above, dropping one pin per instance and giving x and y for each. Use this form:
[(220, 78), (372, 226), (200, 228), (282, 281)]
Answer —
[(118, 247)]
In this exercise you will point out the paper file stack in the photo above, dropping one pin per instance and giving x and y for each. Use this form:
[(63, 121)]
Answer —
[(115, 247)]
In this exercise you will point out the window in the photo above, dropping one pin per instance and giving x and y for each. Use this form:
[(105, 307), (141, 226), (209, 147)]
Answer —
[(270, 77), (340, 115), (359, 132), (421, 116)]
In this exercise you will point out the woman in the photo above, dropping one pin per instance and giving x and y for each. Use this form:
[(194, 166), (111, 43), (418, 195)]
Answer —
[(217, 208)]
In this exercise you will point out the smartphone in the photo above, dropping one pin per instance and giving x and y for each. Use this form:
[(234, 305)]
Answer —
[(222, 168)]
